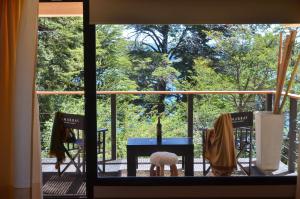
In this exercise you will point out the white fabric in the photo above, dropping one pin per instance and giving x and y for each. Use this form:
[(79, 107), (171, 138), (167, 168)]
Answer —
[(163, 158), (27, 163)]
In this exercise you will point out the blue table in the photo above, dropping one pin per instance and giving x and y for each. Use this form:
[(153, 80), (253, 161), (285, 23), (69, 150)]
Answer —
[(146, 146)]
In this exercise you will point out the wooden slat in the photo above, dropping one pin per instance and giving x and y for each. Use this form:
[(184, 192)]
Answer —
[(68, 185)]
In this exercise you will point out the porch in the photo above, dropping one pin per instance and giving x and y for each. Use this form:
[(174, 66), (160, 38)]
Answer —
[(72, 184)]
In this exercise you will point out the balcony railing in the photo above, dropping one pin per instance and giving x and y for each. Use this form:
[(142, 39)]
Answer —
[(290, 141)]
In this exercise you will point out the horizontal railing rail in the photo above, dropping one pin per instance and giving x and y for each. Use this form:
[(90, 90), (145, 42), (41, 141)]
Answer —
[(156, 92), (263, 92)]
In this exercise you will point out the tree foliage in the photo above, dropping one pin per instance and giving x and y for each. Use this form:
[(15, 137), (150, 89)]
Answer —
[(248, 61), (154, 57)]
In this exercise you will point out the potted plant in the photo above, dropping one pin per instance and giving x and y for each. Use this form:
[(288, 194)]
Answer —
[(269, 125)]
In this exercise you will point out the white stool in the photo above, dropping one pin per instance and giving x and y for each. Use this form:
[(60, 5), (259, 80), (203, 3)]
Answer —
[(160, 159)]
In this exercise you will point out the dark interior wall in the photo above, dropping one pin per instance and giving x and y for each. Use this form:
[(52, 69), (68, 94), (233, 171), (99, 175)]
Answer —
[(180, 12), (193, 11), (209, 192)]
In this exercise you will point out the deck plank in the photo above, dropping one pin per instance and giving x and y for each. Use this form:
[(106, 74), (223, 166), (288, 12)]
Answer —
[(72, 184)]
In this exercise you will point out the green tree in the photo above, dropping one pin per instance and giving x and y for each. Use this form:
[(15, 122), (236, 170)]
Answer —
[(59, 67), (248, 59), (181, 44), (60, 54), (154, 72), (207, 107)]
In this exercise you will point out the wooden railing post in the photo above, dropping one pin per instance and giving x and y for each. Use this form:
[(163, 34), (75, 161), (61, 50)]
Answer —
[(113, 108), (292, 135), (190, 115), (269, 102)]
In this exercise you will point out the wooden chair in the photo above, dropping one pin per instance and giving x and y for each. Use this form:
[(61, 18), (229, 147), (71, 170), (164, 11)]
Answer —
[(242, 123), (101, 132), (74, 147)]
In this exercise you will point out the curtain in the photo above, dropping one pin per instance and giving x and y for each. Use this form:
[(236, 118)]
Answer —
[(20, 172), (10, 13)]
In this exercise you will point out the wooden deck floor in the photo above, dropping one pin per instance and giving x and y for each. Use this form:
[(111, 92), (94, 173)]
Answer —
[(72, 184)]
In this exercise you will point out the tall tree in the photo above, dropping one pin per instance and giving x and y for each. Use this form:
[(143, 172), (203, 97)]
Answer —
[(153, 71), (60, 54), (247, 59), (113, 64), (59, 67), (179, 43)]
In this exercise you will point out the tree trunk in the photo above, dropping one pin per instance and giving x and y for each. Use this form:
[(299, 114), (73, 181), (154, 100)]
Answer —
[(165, 34), (162, 83), (161, 104)]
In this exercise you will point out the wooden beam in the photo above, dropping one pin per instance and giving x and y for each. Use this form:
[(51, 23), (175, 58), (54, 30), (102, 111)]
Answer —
[(194, 11), (60, 9), (157, 92), (293, 25)]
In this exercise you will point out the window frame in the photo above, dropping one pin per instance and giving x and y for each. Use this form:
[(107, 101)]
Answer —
[(90, 118)]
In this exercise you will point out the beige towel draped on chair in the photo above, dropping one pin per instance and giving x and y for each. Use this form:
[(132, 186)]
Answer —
[(219, 146)]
